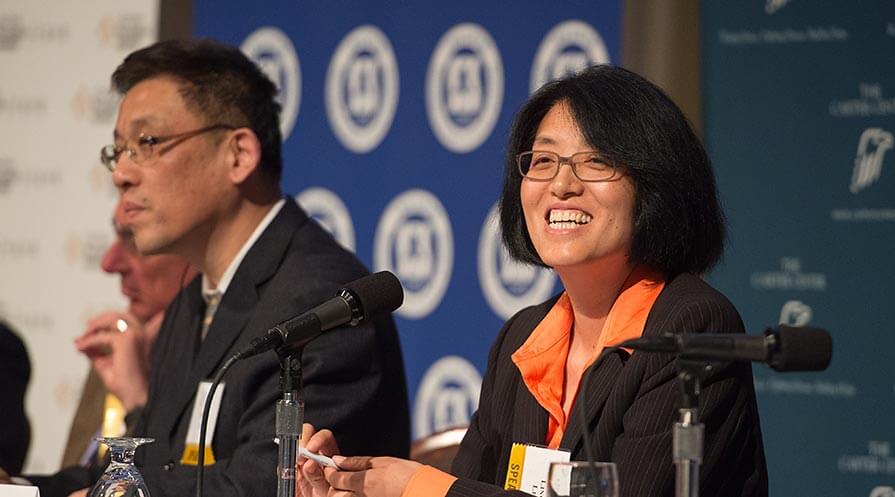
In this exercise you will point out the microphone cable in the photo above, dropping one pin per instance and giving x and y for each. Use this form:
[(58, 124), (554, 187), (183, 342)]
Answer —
[(200, 469), (583, 426)]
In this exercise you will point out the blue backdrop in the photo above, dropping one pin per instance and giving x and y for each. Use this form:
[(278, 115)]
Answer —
[(395, 119), (800, 117)]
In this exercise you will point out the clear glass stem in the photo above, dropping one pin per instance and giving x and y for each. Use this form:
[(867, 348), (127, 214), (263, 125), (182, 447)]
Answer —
[(122, 454)]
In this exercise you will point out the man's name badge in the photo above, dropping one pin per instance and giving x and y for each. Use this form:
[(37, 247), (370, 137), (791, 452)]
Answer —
[(529, 465), (191, 450)]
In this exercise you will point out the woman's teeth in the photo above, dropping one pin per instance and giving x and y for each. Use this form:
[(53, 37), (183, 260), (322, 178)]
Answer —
[(567, 219)]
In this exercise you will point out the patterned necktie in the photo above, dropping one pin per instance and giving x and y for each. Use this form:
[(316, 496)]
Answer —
[(212, 299)]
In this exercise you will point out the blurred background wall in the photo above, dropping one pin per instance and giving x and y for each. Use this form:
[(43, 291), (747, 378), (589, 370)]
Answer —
[(56, 198)]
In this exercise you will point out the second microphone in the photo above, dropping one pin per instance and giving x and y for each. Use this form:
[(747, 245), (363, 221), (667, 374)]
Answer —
[(363, 299)]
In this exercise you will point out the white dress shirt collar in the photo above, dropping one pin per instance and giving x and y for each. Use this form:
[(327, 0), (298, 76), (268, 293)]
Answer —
[(227, 277)]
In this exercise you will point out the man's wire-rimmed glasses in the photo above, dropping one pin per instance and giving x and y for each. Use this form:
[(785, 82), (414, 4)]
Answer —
[(538, 165), (144, 150)]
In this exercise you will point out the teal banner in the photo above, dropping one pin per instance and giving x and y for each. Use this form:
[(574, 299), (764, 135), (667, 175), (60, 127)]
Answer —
[(799, 121)]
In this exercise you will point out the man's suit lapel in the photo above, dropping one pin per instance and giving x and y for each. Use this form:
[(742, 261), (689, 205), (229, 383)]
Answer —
[(179, 343), (236, 308), (229, 320)]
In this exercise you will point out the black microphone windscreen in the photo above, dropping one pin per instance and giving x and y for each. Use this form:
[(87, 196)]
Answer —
[(378, 293), (803, 349)]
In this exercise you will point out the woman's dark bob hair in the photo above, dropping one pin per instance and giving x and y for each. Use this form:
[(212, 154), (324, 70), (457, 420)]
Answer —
[(678, 223)]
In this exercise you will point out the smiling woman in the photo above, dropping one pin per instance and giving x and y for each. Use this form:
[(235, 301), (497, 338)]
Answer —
[(628, 227)]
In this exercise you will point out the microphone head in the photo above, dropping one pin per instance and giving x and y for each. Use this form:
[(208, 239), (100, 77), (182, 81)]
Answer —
[(801, 349), (377, 293)]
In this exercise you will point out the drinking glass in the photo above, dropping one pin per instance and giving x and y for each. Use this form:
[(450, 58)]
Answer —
[(582, 479), (121, 478)]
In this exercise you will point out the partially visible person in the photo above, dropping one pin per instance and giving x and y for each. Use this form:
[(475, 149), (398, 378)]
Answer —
[(606, 183), (197, 162), (15, 431), (149, 283)]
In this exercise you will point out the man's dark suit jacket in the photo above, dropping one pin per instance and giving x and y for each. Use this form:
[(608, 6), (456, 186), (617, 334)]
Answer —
[(630, 406), (15, 371), (354, 378)]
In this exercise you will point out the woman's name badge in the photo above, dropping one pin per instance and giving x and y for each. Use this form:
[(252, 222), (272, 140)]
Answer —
[(529, 465), (191, 449)]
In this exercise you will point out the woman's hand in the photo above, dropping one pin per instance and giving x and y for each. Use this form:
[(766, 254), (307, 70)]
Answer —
[(311, 478), (371, 476)]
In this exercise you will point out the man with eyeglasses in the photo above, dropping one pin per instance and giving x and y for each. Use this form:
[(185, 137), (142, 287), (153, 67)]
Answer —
[(196, 160)]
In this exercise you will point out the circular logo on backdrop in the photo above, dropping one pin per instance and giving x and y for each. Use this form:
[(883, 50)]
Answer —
[(274, 53), (508, 285), (327, 208), (414, 240), (795, 313), (568, 48), (882, 492), (464, 87), (447, 396), (362, 89)]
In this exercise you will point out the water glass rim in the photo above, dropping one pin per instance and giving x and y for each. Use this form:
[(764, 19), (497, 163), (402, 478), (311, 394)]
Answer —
[(124, 441), (593, 478)]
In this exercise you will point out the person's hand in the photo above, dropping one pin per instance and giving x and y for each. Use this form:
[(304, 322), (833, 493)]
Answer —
[(79, 493), (371, 476), (115, 343), (311, 478)]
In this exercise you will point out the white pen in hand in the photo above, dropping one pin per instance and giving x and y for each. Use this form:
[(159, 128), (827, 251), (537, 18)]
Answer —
[(318, 458)]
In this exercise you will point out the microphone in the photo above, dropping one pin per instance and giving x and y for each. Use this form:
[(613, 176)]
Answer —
[(786, 348), (360, 300)]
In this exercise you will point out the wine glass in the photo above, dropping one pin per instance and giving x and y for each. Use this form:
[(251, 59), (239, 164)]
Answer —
[(582, 479), (121, 478)]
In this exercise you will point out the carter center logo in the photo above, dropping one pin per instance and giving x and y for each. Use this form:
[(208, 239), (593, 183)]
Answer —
[(274, 53), (362, 89), (464, 87), (569, 48), (96, 104), (447, 396), (872, 148), (329, 211), (795, 313), (124, 31), (414, 240), (8, 174), (508, 285), (12, 30)]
